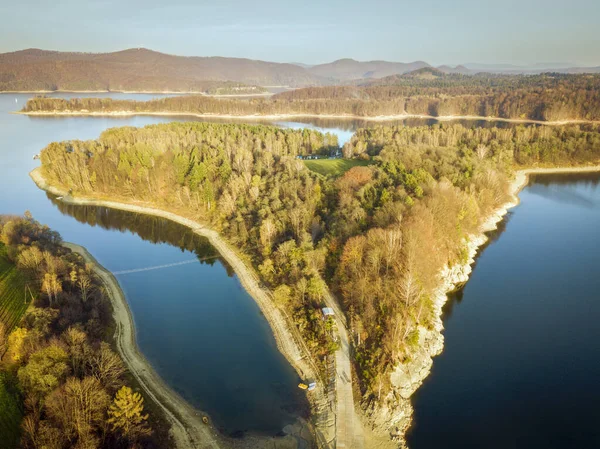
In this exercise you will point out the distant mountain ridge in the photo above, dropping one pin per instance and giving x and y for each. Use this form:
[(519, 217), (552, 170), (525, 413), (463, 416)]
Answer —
[(349, 69), (140, 69)]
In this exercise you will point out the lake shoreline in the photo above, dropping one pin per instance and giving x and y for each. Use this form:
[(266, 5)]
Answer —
[(187, 428), (279, 117), (394, 414), (279, 324)]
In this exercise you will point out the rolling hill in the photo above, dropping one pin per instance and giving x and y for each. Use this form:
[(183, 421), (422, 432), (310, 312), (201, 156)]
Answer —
[(349, 69), (139, 70)]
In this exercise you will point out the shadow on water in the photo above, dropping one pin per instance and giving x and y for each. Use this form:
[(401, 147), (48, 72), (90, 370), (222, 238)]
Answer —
[(455, 297), (150, 228), (559, 188)]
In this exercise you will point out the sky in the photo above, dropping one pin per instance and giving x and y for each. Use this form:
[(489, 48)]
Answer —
[(315, 31)]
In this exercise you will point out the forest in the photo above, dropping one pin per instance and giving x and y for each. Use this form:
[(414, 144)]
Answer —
[(377, 235), (547, 97), (61, 384)]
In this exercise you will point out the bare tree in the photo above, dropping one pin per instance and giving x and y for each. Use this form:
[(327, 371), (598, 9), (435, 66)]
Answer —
[(482, 151)]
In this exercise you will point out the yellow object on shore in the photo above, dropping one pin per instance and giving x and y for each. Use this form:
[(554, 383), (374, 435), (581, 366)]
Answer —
[(302, 386)]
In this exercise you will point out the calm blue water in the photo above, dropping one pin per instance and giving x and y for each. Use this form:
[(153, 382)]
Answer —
[(201, 331), (521, 363)]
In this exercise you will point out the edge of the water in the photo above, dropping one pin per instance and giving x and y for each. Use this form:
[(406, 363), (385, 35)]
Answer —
[(395, 415), (187, 428), (379, 118), (280, 326)]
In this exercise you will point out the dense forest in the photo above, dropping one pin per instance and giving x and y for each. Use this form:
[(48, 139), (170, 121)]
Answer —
[(548, 97), (378, 235), (61, 384)]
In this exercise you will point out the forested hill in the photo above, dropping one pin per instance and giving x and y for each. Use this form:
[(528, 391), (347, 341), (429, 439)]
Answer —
[(548, 97), (139, 70), (349, 69)]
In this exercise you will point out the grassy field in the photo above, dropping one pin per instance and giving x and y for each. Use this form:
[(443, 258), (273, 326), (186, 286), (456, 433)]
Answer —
[(333, 167), (10, 415), (14, 295)]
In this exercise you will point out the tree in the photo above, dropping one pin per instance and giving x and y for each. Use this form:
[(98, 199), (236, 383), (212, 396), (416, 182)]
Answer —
[(79, 408), (126, 417), (16, 344), (52, 286), (45, 370), (316, 288), (282, 295), (107, 367), (482, 150)]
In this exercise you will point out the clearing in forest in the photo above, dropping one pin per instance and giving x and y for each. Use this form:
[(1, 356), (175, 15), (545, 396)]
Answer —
[(334, 167)]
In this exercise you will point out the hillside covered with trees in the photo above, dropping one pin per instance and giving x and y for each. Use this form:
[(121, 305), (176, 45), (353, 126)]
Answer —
[(138, 70), (548, 97), (61, 384), (378, 235)]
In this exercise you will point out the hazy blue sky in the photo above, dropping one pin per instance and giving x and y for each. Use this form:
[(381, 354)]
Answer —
[(314, 31)]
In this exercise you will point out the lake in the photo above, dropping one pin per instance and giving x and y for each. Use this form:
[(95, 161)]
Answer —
[(521, 355), (197, 326), (521, 362)]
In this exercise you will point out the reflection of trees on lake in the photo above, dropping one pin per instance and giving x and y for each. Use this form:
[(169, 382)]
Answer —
[(149, 228), (455, 297), (354, 124), (566, 188)]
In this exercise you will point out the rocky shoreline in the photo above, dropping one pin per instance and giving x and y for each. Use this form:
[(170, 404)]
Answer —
[(394, 414)]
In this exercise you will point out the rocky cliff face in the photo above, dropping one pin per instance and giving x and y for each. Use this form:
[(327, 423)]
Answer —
[(393, 414)]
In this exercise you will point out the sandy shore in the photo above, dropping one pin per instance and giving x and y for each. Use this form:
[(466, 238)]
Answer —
[(394, 414), (279, 117), (187, 428), (288, 342)]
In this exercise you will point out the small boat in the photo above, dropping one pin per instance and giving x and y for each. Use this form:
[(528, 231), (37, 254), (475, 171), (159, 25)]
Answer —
[(303, 386), (36, 156), (59, 197), (312, 386)]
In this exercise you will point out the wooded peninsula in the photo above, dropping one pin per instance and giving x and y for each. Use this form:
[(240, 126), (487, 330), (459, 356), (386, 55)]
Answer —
[(378, 234), (546, 97)]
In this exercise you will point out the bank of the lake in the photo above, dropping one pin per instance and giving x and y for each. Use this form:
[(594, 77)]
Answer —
[(187, 428), (394, 415), (520, 367), (286, 337), (292, 116)]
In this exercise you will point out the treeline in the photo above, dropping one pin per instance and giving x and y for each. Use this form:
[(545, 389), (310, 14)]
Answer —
[(379, 235), (229, 88), (57, 366), (520, 145), (549, 97)]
